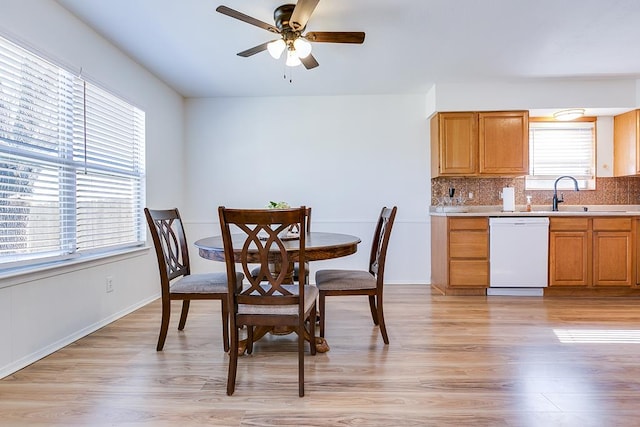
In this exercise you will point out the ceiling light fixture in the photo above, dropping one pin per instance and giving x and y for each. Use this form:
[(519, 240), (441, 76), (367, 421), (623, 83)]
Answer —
[(276, 48), (292, 58), (570, 114), (302, 47)]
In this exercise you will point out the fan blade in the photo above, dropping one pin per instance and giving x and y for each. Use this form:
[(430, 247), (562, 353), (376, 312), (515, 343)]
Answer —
[(246, 18), (254, 50), (335, 37), (309, 62), (302, 13)]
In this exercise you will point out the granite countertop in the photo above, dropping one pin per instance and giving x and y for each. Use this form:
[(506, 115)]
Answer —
[(542, 210)]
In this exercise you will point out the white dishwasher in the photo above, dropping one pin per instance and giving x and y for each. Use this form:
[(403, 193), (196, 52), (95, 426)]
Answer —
[(518, 252)]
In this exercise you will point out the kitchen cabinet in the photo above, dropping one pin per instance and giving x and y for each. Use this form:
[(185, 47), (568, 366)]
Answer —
[(569, 252), (626, 144), (489, 143), (460, 255), (591, 252), (612, 252), (454, 144)]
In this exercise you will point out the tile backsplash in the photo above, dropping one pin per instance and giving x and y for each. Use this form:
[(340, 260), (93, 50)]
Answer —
[(486, 191)]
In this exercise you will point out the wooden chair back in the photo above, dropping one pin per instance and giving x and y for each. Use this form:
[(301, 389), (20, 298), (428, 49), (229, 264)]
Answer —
[(380, 243), (170, 244)]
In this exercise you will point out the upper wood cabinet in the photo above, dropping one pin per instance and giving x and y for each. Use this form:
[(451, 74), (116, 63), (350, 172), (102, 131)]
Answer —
[(503, 141), (626, 144), (480, 143), (454, 144)]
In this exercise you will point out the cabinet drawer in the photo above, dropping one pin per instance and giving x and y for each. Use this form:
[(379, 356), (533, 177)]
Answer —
[(611, 224), (468, 244), (469, 273), (469, 223), (580, 224)]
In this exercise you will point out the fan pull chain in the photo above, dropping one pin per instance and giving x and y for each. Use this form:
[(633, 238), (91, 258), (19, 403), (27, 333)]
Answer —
[(290, 74)]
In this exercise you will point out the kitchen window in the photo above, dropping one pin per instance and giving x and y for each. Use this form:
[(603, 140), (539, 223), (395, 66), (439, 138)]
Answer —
[(71, 164), (561, 148)]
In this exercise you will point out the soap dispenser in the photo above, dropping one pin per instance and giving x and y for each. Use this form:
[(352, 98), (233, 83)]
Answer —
[(528, 204)]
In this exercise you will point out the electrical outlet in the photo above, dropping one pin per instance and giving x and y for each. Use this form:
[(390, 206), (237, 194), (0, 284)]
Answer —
[(109, 284)]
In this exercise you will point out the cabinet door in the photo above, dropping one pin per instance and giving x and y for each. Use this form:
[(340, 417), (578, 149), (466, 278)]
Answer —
[(569, 258), (503, 139), (454, 139), (626, 153), (612, 258)]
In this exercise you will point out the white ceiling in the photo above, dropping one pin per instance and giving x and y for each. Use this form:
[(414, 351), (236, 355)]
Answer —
[(410, 44)]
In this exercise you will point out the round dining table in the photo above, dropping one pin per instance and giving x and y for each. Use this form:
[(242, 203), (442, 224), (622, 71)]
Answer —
[(318, 246)]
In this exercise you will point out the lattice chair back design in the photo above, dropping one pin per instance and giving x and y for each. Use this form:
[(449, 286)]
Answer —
[(176, 280), (296, 267), (267, 300), (362, 282)]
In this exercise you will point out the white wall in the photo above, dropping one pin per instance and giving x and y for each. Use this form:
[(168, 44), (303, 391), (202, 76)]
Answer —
[(345, 156), (42, 312), (598, 94)]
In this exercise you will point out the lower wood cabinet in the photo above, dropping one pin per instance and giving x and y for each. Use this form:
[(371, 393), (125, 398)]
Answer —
[(594, 255), (569, 252), (591, 252), (460, 254)]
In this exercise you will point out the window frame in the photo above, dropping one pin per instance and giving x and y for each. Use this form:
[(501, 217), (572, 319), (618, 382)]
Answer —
[(545, 182), (80, 130)]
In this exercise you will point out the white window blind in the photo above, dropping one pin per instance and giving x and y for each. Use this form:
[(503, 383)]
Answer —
[(561, 148), (71, 164)]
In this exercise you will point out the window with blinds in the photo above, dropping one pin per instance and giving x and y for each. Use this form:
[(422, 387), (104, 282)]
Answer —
[(561, 148), (71, 164)]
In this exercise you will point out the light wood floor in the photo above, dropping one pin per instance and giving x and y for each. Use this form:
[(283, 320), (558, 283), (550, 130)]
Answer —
[(452, 361)]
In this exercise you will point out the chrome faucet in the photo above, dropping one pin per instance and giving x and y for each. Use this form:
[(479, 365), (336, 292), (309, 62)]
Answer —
[(555, 192)]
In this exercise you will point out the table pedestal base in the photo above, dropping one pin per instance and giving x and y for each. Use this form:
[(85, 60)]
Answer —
[(260, 331)]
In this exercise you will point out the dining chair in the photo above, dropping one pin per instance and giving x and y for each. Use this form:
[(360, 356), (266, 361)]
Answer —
[(296, 266), (361, 282), (176, 280), (266, 300)]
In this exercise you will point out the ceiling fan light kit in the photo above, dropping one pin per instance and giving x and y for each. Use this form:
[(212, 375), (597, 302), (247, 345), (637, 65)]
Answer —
[(292, 59), (290, 22), (276, 48), (302, 47)]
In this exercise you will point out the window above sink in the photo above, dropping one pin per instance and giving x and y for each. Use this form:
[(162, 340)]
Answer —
[(561, 148)]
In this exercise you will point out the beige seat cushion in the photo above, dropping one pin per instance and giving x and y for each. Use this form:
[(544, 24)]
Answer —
[(207, 283), (332, 280), (310, 295)]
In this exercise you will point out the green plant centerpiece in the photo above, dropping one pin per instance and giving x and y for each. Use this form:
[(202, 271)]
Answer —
[(293, 231), (278, 205)]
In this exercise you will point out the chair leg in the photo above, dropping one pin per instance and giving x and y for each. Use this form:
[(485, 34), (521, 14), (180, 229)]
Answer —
[(164, 324), (383, 328), (321, 303), (374, 312), (301, 357), (312, 331), (250, 339), (225, 324), (183, 314), (233, 360)]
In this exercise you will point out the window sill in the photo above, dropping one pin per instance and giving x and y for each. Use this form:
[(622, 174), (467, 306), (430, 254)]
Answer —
[(14, 276)]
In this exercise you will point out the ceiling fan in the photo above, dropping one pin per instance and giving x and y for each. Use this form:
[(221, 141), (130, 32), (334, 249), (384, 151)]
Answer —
[(290, 23)]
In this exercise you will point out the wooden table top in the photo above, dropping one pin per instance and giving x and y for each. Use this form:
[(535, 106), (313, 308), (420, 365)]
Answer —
[(319, 245)]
